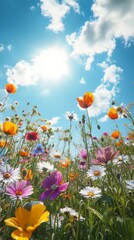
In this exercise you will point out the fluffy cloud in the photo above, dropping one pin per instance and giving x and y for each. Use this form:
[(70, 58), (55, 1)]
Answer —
[(57, 11), (50, 64), (106, 91), (82, 81), (1, 47), (103, 97), (112, 19)]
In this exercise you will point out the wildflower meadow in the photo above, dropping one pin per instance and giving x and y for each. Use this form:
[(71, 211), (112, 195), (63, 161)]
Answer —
[(53, 187)]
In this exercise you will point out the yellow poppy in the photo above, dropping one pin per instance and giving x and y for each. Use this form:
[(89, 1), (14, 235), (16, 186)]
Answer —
[(9, 128), (27, 221)]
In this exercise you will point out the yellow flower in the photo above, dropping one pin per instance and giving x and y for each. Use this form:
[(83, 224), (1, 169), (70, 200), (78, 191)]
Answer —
[(9, 128), (27, 221)]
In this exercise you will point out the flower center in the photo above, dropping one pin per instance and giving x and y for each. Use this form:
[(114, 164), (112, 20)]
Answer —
[(120, 159), (90, 194), (18, 192), (53, 187), (96, 173), (7, 175)]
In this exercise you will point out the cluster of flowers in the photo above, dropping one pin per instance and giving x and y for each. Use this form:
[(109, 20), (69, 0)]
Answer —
[(32, 172)]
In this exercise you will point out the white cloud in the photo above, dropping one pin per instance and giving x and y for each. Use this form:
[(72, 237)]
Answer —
[(22, 74), (57, 11), (9, 47), (106, 91), (113, 19), (111, 73), (32, 8), (73, 4), (104, 119), (49, 65), (102, 99), (54, 120), (82, 81), (1, 47), (89, 62)]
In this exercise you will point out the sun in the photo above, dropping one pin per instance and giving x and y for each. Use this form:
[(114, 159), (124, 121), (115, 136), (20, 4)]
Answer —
[(51, 64)]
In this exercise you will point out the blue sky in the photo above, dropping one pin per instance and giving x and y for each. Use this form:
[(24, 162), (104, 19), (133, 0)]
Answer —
[(55, 51)]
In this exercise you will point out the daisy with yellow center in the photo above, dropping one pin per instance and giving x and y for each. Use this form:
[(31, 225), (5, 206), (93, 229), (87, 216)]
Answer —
[(96, 172), (26, 221), (91, 192)]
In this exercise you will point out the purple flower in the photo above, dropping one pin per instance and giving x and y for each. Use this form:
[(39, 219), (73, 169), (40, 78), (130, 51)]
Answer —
[(105, 134), (104, 154), (54, 186), (19, 190), (83, 154)]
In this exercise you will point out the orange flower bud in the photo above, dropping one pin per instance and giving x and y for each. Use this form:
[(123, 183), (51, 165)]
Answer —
[(10, 88), (23, 153), (2, 143)]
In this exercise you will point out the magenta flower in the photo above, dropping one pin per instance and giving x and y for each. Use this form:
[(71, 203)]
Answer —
[(104, 154), (83, 154), (54, 186), (19, 189), (32, 136)]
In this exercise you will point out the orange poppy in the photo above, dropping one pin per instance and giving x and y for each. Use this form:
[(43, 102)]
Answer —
[(112, 113), (10, 128), (23, 153), (115, 134), (10, 88), (86, 101)]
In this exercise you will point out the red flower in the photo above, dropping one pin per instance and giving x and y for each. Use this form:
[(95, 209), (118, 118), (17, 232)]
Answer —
[(32, 136)]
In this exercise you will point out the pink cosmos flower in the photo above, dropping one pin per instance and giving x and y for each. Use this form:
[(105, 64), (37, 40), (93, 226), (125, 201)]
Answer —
[(54, 186), (32, 136), (19, 189), (83, 154), (104, 154)]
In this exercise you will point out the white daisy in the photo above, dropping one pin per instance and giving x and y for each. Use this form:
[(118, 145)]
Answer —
[(91, 192), (71, 116), (121, 159), (9, 174), (71, 212), (130, 184), (45, 166), (96, 172)]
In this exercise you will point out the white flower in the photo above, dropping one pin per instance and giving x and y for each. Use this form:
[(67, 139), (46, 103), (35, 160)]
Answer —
[(120, 159), (9, 174), (96, 172), (45, 166), (71, 212), (130, 184), (91, 192), (71, 116)]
